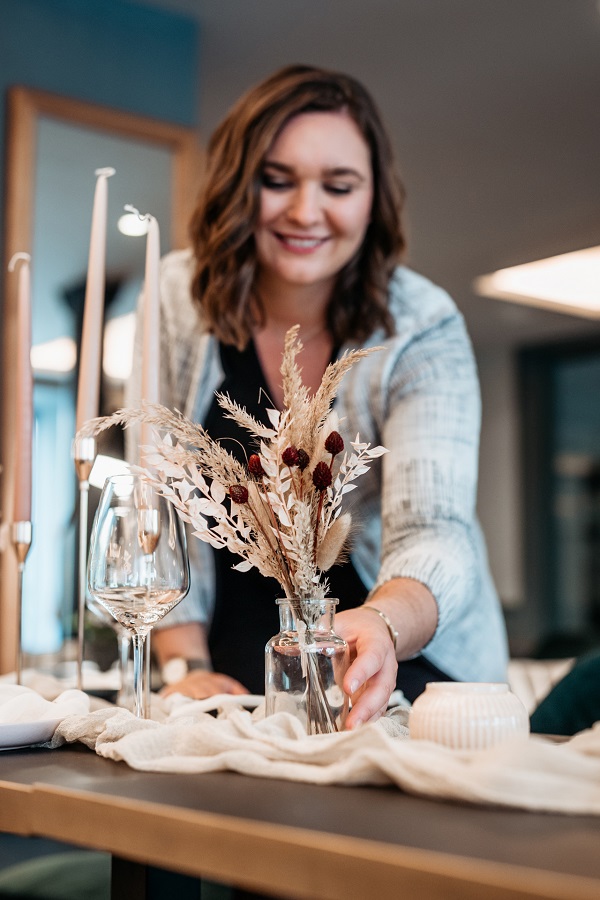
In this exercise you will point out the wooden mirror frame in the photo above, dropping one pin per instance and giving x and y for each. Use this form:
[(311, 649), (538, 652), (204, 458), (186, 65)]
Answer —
[(25, 107)]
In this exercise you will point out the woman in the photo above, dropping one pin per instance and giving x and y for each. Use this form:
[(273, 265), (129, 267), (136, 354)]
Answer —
[(299, 223)]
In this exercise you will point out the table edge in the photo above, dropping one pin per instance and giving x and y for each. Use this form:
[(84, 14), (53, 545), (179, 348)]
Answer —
[(262, 856)]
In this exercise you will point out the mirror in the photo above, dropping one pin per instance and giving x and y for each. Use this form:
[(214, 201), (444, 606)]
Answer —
[(54, 146)]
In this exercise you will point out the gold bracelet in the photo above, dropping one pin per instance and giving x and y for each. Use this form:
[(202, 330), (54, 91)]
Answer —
[(392, 631)]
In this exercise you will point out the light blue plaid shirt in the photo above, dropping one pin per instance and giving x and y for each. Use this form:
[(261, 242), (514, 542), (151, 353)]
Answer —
[(415, 509)]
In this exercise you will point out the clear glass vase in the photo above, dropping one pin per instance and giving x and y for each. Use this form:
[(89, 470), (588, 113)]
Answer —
[(305, 666)]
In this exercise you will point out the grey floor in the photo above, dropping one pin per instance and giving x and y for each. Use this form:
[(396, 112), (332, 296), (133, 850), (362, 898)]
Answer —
[(15, 849)]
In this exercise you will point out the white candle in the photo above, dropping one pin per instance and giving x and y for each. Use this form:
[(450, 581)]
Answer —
[(24, 394), (151, 324), (88, 389)]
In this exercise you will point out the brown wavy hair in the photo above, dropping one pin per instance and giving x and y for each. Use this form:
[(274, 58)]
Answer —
[(223, 224)]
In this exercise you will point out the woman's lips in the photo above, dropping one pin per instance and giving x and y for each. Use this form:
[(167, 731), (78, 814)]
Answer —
[(299, 244)]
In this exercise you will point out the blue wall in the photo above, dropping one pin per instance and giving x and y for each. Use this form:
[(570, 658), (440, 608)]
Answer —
[(113, 52)]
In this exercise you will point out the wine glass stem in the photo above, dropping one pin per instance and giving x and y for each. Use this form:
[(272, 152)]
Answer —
[(124, 645), (138, 674), (149, 568)]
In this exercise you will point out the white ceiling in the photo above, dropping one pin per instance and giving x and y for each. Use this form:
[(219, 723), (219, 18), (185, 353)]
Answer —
[(494, 109)]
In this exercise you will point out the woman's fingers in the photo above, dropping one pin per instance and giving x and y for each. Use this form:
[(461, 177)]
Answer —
[(371, 678), (201, 684), (370, 701)]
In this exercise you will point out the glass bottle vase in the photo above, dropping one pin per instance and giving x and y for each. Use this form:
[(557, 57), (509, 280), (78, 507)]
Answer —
[(305, 666)]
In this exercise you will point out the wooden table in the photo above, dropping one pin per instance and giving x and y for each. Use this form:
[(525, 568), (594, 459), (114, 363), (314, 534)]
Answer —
[(296, 840)]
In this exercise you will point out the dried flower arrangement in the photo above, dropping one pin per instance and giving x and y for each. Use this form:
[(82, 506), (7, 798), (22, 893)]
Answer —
[(282, 511)]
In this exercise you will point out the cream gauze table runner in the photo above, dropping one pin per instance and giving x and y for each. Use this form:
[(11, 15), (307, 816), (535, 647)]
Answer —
[(529, 773)]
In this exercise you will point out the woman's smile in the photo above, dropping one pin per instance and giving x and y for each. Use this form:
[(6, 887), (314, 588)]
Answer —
[(297, 244)]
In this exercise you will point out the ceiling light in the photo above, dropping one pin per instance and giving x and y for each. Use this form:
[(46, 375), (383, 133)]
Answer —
[(569, 283), (132, 225), (59, 355), (117, 356)]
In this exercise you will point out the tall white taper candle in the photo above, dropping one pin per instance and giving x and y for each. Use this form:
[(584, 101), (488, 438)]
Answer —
[(91, 338), (24, 394), (151, 320)]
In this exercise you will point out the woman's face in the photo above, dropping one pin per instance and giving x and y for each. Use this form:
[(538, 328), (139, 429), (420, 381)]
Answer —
[(315, 201)]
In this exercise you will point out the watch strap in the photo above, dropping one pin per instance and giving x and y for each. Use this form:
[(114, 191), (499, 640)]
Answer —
[(176, 668)]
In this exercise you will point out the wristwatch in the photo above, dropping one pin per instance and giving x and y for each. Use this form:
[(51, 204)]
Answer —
[(176, 668)]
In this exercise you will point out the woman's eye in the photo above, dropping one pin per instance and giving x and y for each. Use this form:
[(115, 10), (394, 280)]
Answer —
[(338, 189), (274, 182)]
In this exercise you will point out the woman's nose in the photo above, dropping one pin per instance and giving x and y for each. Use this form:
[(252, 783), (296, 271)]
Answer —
[(305, 207)]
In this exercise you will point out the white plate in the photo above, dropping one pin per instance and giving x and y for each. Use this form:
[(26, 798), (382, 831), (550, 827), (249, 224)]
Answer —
[(23, 734)]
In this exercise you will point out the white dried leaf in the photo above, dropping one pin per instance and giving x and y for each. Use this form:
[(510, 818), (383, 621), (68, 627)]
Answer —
[(217, 491), (283, 517), (270, 467), (184, 488), (171, 470), (209, 538), (274, 417), (374, 452)]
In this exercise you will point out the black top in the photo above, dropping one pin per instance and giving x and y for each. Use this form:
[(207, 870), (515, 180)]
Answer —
[(246, 615)]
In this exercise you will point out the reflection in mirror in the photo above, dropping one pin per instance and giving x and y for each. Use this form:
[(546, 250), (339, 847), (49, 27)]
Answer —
[(55, 145)]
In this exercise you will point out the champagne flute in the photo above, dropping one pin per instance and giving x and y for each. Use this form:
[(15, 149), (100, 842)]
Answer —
[(138, 566)]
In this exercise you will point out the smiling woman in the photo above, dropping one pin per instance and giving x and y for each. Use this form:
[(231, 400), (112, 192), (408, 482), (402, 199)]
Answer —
[(298, 224)]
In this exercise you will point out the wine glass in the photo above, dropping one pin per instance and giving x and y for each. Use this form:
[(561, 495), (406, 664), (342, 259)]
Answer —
[(124, 641), (138, 566)]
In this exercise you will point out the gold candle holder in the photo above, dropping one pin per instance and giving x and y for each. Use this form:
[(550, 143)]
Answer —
[(84, 455), (21, 539)]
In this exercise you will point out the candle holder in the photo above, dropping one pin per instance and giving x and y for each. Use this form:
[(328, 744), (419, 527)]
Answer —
[(84, 455), (21, 539)]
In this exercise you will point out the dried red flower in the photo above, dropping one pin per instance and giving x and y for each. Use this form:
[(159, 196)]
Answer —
[(290, 457), (334, 443), (321, 476), (303, 459), (255, 466), (238, 493)]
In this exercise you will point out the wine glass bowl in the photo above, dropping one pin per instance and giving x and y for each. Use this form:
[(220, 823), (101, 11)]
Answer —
[(138, 567)]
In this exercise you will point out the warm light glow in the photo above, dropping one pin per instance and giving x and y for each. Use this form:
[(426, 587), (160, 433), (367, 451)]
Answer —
[(132, 225), (104, 467), (568, 283), (117, 358), (59, 355)]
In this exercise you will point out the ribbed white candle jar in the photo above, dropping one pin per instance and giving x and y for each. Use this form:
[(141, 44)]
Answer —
[(468, 715)]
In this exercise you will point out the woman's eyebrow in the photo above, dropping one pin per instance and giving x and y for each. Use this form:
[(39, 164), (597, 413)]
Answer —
[(335, 172), (344, 172)]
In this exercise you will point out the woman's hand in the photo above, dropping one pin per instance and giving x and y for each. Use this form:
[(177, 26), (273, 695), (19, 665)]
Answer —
[(371, 677), (201, 683), (189, 641)]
